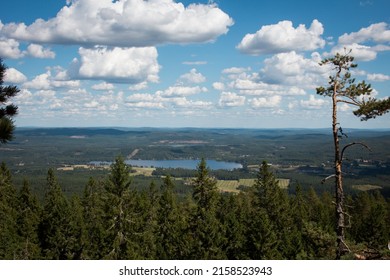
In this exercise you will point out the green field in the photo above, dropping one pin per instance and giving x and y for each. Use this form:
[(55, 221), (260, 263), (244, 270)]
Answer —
[(366, 187), (233, 185), (301, 156)]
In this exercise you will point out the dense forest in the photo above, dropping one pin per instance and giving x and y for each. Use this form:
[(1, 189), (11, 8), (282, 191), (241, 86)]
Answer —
[(112, 219)]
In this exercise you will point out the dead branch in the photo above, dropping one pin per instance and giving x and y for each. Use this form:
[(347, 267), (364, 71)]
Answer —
[(352, 144)]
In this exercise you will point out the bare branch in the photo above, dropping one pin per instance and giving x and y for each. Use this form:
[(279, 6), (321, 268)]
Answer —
[(352, 144), (327, 178)]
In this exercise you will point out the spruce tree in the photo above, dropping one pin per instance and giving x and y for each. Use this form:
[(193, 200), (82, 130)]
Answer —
[(28, 219), (54, 224), (204, 226), (119, 205), (93, 214), (75, 230), (274, 202), (9, 238), (169, 231), (232, 216)]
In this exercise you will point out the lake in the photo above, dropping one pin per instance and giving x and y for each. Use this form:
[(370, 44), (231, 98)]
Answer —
[(177, 163)]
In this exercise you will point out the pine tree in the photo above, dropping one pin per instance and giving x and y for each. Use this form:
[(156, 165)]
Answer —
[(7, 111), (343, 89)]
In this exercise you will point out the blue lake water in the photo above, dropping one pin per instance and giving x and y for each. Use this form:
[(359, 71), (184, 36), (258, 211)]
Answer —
[(178, 163)]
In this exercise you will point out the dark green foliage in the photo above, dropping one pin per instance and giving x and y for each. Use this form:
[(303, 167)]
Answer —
[(8, 215), (112, 220), (120, 217), (205, 228), (370, 221), (93, 214), (170, 222), (7, 110), (343, 89), (273, 202), (55, 220), (232, 214), (76, 231), (28, 219)]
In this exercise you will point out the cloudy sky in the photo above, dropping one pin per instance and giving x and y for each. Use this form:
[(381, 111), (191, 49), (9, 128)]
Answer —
[(166, 63)]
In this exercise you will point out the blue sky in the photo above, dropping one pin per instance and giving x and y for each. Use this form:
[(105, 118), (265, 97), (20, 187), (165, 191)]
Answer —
[(165, 63)]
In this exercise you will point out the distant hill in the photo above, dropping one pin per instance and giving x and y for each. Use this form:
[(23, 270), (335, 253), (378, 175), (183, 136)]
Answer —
[(73, 131)]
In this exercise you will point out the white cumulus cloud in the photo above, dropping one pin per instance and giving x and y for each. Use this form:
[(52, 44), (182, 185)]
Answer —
[(365, 43), (9, 48), (14, 76), (126, 23), (266, 102), (378, 32), (175, 91), (39, 51), (131, 65), (283, 37), (231, 99), (192, 77), (103, 86), (359, 52), (378, 77), (313, 103), (293, 69)]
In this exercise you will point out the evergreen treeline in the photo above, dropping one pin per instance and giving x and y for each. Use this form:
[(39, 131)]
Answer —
[(113, 220)]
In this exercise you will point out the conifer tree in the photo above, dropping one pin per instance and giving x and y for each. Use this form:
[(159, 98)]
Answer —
[(7, 110), (204, 225), (93, 214), (299, 213), (274, 202), (8, 215), (232, 216), (55, 221), (169, 229), (371, 224), (119, 205), (145, 222), (75, 230), (28, 219), (343, 89), (263, 242)]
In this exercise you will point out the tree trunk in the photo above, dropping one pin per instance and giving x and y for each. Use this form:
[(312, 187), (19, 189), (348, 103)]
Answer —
[(339, 184)]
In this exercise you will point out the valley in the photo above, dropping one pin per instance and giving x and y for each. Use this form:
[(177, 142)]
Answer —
[(296, 156)]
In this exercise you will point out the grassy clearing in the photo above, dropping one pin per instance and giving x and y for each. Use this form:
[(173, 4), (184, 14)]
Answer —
[(284, 183), (228, 185), (146, 171), (367, 187), (232, 185)]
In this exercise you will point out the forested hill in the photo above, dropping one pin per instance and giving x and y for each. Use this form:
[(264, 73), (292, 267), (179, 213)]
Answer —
[(111, 219), (73, 131)]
